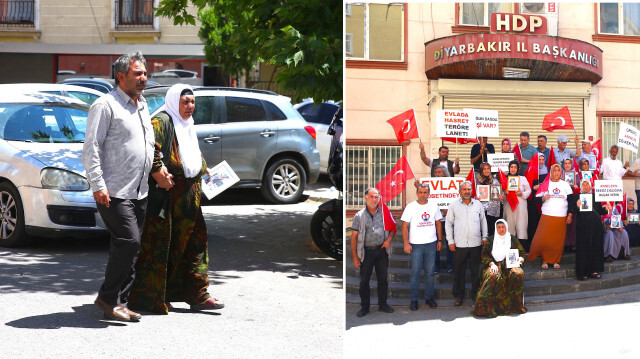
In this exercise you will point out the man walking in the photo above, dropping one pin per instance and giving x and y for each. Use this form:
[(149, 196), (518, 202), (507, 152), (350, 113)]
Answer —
[(466, 228), (370, 248), (422, 236), (117, 155)]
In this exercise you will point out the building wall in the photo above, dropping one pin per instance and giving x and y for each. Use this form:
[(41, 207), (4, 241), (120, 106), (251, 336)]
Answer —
[(375, 95)]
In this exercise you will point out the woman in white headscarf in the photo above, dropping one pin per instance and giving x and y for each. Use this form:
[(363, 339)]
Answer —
[(501, 288), (173, 260)]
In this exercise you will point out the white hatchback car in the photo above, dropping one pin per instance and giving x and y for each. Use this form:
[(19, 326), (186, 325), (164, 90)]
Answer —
[(43, 189)]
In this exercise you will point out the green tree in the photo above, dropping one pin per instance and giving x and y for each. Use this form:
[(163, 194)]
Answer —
[(302, 38)]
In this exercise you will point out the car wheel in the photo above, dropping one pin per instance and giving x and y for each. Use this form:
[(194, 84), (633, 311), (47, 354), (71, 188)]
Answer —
[(12, 233), (284, 181)]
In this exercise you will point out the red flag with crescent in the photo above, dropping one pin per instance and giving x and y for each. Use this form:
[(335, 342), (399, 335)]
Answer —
[(387, 219), (517, 153), (394, 182), (533, 172), (405, 126), (552, 158), (511, 195), (471, 177), (559, 120)]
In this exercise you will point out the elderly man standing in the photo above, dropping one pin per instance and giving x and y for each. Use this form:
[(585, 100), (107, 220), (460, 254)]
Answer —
[(612, 168), (370, 248), (117, 155), (466, 228), (562, 152), (422, 236)]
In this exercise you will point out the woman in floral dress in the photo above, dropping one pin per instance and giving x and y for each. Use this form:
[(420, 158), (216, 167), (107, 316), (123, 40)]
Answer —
[(501, 288), (173, 260)]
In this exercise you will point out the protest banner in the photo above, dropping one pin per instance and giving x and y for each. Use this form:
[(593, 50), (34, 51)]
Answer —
[(455, 123), (486, 122), (628, 137), (499, 161), (608, 190), (443, 190)]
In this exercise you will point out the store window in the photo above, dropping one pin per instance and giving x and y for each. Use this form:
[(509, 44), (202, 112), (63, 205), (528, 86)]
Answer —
[(366, 166), (619, 18), (374, 31), (479, 14), (610, 131), (17, 12)]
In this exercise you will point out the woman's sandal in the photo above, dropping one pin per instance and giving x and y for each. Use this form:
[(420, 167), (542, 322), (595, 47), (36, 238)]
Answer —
[(545, 266), (595, 275), (556, 265), (209, 304), (583, 278)]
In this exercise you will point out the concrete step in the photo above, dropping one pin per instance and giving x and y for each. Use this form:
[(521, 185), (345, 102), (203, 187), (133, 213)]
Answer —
[(403, 303), (532, 287)]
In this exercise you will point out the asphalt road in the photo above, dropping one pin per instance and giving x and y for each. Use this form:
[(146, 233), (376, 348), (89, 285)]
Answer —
[(283, 299)]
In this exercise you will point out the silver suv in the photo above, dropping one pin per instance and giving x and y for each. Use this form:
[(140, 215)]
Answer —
[(259, 133)]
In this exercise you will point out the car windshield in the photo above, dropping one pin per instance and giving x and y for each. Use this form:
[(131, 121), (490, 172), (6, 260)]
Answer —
[(154, 101), (43, 122)]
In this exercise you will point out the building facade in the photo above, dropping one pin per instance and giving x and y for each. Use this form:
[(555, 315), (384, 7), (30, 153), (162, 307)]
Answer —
[(524, 60)]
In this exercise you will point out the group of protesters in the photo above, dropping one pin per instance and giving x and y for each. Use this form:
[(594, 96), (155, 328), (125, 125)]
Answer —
[(538, 218)]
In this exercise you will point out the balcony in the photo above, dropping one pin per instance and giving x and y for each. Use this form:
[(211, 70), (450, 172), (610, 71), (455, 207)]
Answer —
[(17, 13)]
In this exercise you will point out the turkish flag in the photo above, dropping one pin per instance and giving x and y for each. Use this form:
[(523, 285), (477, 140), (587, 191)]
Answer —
[(533, 172), (471, 177), (552, 158), (462, 141), (576, 167), (405, 126), (393, 183), (517, 153), (597, 148), (387, 219), (511, 195), (617, 208), (559, 120)]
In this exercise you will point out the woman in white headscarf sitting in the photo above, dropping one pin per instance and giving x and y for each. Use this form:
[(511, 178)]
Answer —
[(173, 260), (501, 288)]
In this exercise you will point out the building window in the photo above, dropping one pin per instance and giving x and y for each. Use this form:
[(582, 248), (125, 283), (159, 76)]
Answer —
[(610, 131), (366, 166), (17, 12), (619, 18), (479, 14), (377, 31), (348, 44), (134, 13)]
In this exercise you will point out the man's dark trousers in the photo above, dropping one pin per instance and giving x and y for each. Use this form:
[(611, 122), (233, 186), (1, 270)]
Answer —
[(377, 258), (461, 258), (124, 219)]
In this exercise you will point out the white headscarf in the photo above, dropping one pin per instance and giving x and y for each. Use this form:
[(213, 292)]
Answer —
[(501, 244), (188, 148)]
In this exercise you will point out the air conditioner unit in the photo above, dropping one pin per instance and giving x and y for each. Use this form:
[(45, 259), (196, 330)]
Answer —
[(547, 9)]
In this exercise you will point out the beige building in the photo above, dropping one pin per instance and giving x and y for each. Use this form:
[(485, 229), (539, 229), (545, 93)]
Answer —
[(38, 38), (431, 56)]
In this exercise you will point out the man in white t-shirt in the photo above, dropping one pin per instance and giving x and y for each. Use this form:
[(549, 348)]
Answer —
[(422, 235)]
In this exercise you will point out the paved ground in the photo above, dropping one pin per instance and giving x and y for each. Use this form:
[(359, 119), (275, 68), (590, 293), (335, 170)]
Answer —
[(605, 327), (283, 300)]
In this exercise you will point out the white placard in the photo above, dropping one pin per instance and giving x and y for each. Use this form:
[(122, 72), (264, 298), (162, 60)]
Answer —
[(443, 190), (222, 177), (455, 123), (486, 122), (608, 190), (628, 137), (500, 161)]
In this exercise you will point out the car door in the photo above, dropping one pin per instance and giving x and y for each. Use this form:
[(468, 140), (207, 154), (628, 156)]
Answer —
[(206, 119), (248, 138)]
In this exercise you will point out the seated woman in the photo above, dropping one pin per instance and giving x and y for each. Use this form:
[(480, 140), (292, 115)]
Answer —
[(501, 288), (615, 240)]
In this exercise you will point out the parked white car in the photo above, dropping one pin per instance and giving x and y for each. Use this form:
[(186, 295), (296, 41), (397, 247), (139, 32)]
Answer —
[(43, 188), (81, 93)]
